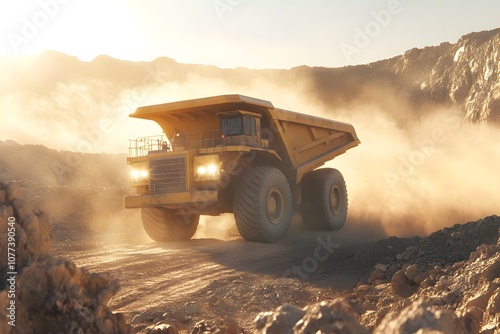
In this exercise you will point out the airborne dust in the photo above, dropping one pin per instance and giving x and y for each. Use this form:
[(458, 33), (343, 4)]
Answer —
[(411, 175)]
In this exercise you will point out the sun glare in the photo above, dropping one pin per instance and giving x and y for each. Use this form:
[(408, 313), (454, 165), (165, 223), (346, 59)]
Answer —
[(83, 29)]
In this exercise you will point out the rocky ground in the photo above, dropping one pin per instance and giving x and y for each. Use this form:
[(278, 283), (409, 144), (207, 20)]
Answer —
[(447, 282), (427, 287)]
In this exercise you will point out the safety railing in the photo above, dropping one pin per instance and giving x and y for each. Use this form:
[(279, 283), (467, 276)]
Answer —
[(194, 140), (142, 146)]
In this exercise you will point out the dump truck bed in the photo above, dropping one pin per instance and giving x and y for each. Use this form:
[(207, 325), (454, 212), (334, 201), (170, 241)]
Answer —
[(305, 142), (311, 141)]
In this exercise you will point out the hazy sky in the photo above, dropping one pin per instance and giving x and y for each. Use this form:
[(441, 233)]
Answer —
[(249, 33)]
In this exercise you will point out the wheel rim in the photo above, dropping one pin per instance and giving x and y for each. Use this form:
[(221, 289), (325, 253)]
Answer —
[(335, 200), (275, 205)]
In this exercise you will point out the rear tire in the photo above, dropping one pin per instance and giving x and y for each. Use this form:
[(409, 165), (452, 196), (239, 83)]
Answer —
[(165, 225), (324, 200), (263, 205)]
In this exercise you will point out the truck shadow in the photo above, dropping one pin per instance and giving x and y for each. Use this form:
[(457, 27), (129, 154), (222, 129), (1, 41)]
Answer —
[(325, 259)]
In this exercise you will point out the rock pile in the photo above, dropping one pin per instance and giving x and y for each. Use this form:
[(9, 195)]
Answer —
[(433, 269), (51, 295), (326, 317), (422, 318), (227, 326), (439, 284)]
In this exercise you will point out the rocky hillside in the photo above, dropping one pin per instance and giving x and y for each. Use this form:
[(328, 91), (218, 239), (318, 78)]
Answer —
[(58, 95), (464, 75), (79, 192)]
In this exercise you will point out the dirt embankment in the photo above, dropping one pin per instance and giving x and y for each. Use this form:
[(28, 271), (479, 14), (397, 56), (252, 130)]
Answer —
[(41, 294)]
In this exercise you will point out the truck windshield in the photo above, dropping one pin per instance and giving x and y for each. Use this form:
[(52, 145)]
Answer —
[(231, 126)]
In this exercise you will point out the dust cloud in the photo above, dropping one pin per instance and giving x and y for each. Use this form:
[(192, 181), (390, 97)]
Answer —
[(220, 227), (420, 176), (411, 175)]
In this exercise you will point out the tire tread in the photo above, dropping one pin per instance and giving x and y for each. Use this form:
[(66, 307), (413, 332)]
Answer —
[(246, 203)]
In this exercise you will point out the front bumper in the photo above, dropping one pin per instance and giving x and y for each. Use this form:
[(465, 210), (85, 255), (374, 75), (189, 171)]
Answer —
[(172, 201)]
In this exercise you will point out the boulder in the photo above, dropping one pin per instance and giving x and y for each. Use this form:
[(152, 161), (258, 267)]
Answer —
[(330, 317), (422, 318), (280, 321)]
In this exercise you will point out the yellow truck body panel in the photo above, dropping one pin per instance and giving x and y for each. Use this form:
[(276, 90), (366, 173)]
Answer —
[(303, 141)]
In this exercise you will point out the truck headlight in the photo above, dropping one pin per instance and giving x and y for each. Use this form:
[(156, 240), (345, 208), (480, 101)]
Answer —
[(210, 170), (139, 174), (206, 167)]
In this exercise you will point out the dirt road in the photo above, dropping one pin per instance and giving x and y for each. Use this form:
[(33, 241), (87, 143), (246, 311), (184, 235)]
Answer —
[(211, 279), (182, 283)]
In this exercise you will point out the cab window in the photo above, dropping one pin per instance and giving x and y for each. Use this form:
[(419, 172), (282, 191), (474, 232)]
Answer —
[(232, 125), (250, 127)]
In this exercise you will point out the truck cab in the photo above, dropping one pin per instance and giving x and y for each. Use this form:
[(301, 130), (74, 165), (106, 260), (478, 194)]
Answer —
[(241, 128)]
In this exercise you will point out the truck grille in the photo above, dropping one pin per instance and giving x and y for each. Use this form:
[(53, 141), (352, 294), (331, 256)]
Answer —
[(167, 175)]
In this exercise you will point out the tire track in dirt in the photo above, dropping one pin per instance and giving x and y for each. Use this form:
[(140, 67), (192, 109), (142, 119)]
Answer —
[(161, 278)]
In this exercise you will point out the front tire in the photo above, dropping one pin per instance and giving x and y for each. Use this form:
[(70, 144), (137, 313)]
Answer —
[(324, 200), (166, 225), (263, 205)]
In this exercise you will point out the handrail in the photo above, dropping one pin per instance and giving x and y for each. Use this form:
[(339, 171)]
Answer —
[(142, 146)]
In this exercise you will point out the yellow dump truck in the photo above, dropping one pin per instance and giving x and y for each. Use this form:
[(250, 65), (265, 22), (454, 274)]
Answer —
[(237, 154)]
